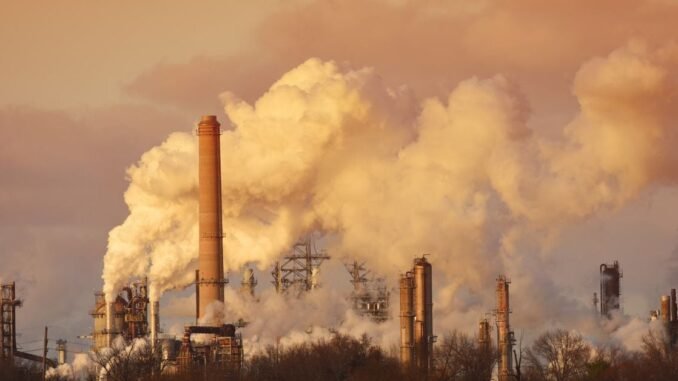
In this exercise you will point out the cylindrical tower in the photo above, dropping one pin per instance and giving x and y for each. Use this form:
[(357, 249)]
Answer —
[(484, 335), (406, 319), (666, 309), (110, 330), (423, 310), (248, 282), (504, 337), (61, 352), (210, 252), (155, 323)]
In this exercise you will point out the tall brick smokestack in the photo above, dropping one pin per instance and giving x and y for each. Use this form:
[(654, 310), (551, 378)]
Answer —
[(210, 252)]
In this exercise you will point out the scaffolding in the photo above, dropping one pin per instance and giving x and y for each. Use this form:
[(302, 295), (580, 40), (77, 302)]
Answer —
[(299, 269), (8, 304), (370, 296)]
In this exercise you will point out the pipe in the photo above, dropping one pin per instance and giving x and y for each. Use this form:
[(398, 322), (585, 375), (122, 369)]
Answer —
[(666, 308), (484, 335), (504, 340), (155, 323), (674, 306), (406, 319), (109, 323), (210, 251)]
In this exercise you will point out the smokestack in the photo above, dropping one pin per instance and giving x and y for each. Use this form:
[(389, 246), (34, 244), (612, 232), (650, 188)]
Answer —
[(109, 323), (484, 335), (61, 352), (210, 253), (406, 319), (155, 323), (248, 282), (674, 306), (504, 334), (423, 310), (666, 308)]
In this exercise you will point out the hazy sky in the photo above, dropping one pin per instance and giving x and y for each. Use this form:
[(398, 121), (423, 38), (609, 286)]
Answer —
[(87, 87)]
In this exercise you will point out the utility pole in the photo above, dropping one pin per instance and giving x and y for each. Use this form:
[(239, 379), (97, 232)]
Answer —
[(44, 357)]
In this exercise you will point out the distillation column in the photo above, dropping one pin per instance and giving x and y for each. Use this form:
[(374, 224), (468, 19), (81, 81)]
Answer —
[(504, 334), (406, 319), (423, 310), (210, 251)]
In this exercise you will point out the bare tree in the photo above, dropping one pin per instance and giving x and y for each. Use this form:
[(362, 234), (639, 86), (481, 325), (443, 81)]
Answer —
[(129, 362), (458, 357), (518, 359), (558, 355)]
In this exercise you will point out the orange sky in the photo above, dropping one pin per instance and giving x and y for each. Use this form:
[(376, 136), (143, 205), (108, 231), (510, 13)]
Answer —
[(86, 87)]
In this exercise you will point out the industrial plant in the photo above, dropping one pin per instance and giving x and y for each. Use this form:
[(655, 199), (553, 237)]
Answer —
[(216, 341)]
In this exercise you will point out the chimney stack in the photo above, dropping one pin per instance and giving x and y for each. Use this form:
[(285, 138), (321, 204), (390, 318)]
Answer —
[(423, 319), (155, 323), (504, 333), (210, 253), (666, 308)]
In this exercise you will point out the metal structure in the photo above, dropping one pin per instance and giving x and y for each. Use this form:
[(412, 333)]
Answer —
[(61, 351), (210, 252), (8, 305), (423, 313), (299, 270), (505, 338), (8, 345), (668, 312), (222, 346), (248, 282), (222, 350), (370, 296), (416, 316), (610, 288), (154, 326), (407, 319), (484, 335), (126, 316)]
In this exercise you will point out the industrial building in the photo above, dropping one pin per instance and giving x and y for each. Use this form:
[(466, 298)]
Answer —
[(610, 288), (128, 319), (416, 316)]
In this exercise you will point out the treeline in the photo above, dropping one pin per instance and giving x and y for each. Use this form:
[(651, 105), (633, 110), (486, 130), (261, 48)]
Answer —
[(556, 355)]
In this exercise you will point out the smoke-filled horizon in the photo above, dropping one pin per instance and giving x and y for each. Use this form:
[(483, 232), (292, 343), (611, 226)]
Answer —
[(386, 176)]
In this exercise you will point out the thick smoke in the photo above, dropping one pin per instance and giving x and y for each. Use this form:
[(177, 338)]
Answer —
[(386, 177), (79, 370)]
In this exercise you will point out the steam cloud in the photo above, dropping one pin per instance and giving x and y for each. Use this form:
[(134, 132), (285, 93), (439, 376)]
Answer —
[(385, 177)]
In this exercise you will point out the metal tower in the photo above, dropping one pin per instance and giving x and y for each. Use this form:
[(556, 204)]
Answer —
[(299, 268)]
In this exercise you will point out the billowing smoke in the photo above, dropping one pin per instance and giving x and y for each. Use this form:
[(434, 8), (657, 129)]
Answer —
[(80, 369), (386, 177)]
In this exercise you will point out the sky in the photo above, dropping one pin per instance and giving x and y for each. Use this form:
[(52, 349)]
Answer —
[(87, 87)]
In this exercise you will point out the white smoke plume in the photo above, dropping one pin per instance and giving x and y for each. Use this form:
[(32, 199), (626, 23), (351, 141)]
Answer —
[(80, 369), (386, 177)]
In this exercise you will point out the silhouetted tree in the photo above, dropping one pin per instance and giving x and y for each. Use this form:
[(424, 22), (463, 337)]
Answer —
[(558, 355), (458, 357)]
